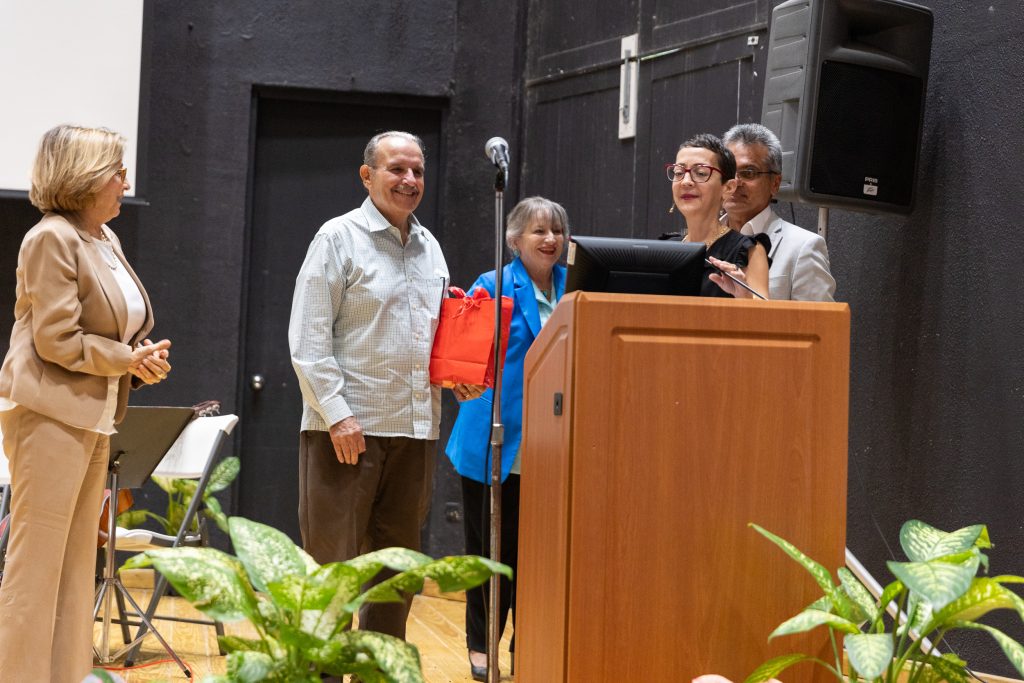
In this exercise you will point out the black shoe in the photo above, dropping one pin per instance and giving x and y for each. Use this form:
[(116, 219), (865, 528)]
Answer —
[(479, 673)]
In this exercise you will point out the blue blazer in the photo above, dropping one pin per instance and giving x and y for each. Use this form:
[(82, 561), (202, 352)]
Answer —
[(469, 446)]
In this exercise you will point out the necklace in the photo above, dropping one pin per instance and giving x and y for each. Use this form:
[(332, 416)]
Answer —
[(714, 238), (107, 251)]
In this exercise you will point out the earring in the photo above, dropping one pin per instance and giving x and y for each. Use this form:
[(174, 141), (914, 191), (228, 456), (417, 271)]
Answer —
[(672, 209), (515, 253)]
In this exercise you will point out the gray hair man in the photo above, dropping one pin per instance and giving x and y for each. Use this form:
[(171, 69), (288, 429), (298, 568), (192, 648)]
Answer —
[(799, 258), (362, 325)]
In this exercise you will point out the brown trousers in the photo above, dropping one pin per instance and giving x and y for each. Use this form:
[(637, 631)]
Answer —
[(46, 599), (380, 502)]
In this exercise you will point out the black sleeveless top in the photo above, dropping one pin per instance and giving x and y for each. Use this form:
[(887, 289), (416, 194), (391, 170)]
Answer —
[(733, 247)]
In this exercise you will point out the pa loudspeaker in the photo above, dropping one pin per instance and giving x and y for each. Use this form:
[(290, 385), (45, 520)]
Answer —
[(844, 92)]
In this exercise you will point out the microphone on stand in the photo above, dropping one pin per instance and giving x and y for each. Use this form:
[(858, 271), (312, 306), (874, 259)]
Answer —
[(496, 150)]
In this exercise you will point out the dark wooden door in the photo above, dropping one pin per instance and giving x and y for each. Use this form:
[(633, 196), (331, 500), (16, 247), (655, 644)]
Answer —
[(307, 153), (699, 71)]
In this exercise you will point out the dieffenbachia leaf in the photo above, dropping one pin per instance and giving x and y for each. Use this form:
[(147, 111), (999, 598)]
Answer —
[(870, 653), (841, 604), (922, 542), (812, 618), (213, 581), (940, 583), (267, 554), (773, 667), (1011, 648)]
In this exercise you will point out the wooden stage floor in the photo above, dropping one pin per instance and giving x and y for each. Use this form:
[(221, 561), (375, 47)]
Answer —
[(436, 627)]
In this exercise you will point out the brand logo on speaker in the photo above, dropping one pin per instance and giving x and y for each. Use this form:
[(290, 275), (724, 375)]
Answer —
[(870, 186)]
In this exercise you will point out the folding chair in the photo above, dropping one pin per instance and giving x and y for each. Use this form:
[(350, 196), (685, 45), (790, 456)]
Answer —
[(192, 456)]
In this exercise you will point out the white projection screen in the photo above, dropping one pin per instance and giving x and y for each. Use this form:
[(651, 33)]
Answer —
[(67, 61)]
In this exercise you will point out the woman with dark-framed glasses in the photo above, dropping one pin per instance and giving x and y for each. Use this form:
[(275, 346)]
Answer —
[(702, 175), (78, 344)]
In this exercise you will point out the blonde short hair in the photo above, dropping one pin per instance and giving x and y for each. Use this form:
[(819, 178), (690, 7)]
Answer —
[(72, 165)]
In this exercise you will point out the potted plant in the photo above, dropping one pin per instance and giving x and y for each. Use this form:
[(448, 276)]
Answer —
[(180, 493), (301, 610), (938, 589)]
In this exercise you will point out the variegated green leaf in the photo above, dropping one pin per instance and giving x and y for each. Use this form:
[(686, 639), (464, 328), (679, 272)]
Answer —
[(919, 611), (462, 572), (348, 652), (841, 604), (1008, 578), (270, 613), (165, 483), (213, 511), (267, 554), (307, 559), (948, 667), (773, 667), (812, 618), (288, 592), (186, 487), (101, 676), (822, 603), (820, 574), (922, 542), (298, 640), (983, 596), (398, 559), (232, 643), (937, 582), (451, 574), (1011, 648), (223, 474), (249, 667), (326, 607), (213, 581), (129, 519), (870, 653), (860, 595), (335, 582), (889, 593)]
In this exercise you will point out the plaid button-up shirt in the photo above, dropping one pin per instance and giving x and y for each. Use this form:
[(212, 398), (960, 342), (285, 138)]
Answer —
[(362, 325)]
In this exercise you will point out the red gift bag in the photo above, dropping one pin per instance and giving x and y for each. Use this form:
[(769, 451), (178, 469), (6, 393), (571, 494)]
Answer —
[(463, 350)]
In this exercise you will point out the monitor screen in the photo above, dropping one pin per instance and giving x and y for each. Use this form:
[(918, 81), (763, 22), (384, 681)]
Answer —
[(634, 266)]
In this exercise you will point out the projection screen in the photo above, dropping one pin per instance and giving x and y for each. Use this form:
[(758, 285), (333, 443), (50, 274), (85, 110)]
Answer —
[(67, 61)]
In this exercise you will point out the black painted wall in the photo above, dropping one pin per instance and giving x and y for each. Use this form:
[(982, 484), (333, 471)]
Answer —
[(937, 379), (207, 57), (189, 244), (937, 358)]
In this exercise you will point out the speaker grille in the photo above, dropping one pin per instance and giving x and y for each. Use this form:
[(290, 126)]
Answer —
[(866, 133)]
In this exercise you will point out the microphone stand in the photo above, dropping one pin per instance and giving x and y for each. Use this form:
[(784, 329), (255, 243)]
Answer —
[(497, 434)]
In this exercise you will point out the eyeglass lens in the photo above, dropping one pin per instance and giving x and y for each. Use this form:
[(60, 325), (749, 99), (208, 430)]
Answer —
[(699, 173), (751, 173)]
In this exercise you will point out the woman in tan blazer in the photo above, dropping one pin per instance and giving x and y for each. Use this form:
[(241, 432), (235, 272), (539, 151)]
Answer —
[(77, 346)]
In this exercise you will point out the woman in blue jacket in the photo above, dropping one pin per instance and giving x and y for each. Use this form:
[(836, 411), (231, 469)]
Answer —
[(536, 232)]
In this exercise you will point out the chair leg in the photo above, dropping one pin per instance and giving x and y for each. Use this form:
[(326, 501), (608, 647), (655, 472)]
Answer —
[(219, 628)]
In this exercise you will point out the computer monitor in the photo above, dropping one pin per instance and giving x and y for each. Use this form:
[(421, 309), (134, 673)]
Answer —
[(634, 266)]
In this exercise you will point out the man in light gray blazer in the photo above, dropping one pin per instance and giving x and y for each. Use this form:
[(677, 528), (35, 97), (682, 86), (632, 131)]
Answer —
[(799, 258)]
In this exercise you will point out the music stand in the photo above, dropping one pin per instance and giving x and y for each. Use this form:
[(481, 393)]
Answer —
[(142, 439)]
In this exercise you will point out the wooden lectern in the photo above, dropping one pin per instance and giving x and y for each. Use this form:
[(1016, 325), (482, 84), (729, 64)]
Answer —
[(655, 429)]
